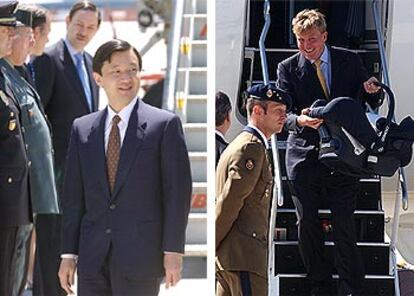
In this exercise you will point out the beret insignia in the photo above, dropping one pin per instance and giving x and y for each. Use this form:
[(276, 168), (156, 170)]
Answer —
[(269, 93), (249, 164)]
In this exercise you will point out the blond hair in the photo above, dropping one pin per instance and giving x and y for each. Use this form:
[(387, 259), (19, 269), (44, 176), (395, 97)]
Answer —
[(308, 19)]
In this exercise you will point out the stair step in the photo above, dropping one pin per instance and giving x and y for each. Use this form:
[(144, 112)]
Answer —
[(297, 285), (196, 250), (198, 162), (195, 15), (196, 77), (369, 225), (197, 108), (368, 197), (194, 267), (196, 232), (199, 197), (375, 256), (196, 136), (196, 56)]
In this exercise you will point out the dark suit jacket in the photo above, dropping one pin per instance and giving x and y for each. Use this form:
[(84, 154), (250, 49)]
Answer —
[(14, 187), (297, 76), (62, 95), (221, 144), (148, 210)]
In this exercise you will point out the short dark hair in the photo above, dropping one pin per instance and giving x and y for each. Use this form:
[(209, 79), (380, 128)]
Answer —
[(253, 102), (223, 107), (85, 5), (105, 51), (39, 14)]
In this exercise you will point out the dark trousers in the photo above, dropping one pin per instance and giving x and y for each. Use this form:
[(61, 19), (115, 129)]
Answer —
[(341, 191), (47, 257), (111, 281), (21, 258), (12, 259), (231, 283)]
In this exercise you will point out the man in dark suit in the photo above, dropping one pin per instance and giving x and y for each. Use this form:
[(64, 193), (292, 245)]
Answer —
[(127, 188), (223, 122), (319, 71), (15, 208), (63, 77)]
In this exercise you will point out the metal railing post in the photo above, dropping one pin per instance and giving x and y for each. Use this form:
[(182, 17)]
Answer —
[(173, 51), (401, 173)]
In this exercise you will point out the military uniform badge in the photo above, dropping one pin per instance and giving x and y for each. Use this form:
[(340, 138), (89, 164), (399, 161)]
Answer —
[(4, 98), (249, 164), (12, 124)]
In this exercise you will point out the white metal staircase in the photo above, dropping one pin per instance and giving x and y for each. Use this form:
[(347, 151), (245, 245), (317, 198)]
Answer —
[(190, 93)]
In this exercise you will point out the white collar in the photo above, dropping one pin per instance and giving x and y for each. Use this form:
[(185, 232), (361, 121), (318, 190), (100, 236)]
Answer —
[(220, 134), (324, 57), (125, 113), (264, 139), (71, 50)]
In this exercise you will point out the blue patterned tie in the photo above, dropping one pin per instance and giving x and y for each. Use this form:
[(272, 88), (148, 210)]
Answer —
[(84, 79)]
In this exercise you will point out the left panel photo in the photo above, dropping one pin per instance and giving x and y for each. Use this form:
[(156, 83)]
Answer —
[(104, 133)]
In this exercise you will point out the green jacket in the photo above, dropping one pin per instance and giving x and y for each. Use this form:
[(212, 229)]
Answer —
[(243, 198), (38, 142)]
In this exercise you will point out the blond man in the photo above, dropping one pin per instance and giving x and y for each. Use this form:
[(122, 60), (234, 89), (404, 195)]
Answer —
[(319, 71)]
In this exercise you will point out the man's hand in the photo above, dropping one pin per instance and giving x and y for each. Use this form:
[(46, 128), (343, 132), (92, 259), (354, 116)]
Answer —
[(305, 120), (370, 87), (173, 264), (67, 274)]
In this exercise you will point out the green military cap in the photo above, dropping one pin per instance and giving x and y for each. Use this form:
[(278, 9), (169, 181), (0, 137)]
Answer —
[(7, 17)]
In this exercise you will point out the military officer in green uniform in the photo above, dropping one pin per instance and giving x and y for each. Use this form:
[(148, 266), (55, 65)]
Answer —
[(243, 196), (37, 138)]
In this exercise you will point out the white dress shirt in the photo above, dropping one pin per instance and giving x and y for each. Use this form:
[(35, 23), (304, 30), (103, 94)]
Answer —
[(124, 114), (220, 134)]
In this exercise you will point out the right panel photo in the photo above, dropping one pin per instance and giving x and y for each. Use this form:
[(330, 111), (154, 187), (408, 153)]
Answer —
[(313, 148)]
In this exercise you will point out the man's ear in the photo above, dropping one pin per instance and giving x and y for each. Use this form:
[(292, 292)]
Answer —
[(228, 116), (67, 21), (36, 33), (325, 36), (98, 78), (257, 109)]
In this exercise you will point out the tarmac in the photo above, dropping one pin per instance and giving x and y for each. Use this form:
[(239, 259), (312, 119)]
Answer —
[(186, 287)]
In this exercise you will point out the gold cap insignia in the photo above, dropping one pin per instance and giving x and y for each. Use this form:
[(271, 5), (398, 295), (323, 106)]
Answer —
[(4, 98), (12, 124), (249, 164), (269, 93)]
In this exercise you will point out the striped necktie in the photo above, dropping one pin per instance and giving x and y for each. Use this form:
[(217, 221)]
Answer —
[(321, 77)]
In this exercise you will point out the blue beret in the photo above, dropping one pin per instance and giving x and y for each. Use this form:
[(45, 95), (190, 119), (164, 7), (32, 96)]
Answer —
[(7, 17), (269, 92)]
